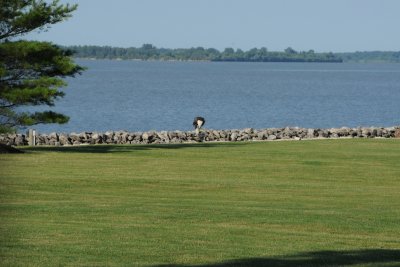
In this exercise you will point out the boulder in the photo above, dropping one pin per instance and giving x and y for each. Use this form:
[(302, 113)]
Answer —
[(163, 136), (82, 136), (216, 134), (287, 133), (353, 133), (262, 135), (182, 135), (248, 130), (96, 136), (234, 136), (53, 136), (343, 132), (223, 134), (244, 137), (64, 139), (20, 140), (74, 137), (397, 133), (138, 136), (108, 135), (374, 132), (365, 132)]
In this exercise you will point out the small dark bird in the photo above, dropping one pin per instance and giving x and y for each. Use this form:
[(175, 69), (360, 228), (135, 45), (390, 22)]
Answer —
[(198, 122)]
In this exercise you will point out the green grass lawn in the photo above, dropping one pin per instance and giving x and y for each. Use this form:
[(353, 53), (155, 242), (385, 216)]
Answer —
[(305, 203)]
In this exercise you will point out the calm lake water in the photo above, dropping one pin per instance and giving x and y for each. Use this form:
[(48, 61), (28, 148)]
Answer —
[(141, 96)]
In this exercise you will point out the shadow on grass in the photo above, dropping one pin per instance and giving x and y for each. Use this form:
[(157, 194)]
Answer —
[(374, 257), (122, 148)]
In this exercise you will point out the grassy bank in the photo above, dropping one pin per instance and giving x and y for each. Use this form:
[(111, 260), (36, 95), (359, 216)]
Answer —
[(308, 203)]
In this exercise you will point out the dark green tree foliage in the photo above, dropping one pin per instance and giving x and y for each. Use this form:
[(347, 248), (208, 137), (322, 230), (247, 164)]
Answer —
[(371, 56), (31, 72), (150, 52)]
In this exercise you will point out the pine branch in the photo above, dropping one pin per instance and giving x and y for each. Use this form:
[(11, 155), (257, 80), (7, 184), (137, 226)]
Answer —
[(22, 17)]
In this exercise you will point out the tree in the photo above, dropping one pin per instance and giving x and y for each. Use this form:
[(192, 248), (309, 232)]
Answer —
[(31, 72), (252, 54), (290, 50)]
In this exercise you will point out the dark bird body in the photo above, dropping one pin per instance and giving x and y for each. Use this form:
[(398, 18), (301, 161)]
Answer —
[(198, 122)]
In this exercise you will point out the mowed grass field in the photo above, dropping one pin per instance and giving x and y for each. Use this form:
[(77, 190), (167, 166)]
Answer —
[(298, 203)]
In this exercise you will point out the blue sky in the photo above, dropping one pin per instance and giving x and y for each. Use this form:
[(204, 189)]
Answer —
[(322, 25)]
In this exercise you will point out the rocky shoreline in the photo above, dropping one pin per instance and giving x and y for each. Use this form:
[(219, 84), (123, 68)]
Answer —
[(206, 135)]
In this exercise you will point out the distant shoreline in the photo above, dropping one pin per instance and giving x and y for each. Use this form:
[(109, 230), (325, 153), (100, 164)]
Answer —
[(210, 61), (201, 60), (149, 52)]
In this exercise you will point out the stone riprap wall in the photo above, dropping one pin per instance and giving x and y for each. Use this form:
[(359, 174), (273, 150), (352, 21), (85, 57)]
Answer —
[(167, 137)]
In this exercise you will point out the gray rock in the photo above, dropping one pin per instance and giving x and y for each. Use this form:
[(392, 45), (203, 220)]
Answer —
[(74, 137), (163, 136), (396, 133), (124, 137), (244, 137), (82, 136), (53, 136), (248, 130), (216, 134), (138, 136), (379, 132), (311, 133), (64, 139), (211, 137), (374, 132), (353, 133), (262, 135), (344, 131), (234, 136), (287, 133), (109, 134), (323, 133), (96, 136), (19, 140), (176, 140), (365, 132), (223, 134)]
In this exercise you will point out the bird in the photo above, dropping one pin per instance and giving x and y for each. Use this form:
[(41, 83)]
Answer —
[(198, 122)]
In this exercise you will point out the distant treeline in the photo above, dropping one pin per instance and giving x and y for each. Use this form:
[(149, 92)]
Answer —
[(150, 52), (372, 56)]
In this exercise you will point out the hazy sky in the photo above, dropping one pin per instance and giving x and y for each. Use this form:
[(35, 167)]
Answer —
[(322, 25)]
